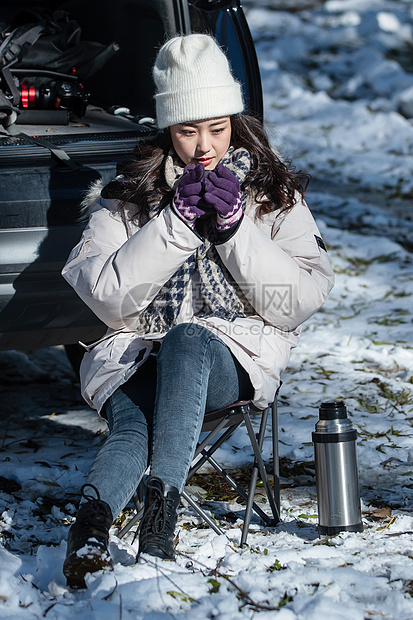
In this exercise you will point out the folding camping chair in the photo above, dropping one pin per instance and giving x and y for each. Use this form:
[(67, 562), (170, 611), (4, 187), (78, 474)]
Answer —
[(229, 418)]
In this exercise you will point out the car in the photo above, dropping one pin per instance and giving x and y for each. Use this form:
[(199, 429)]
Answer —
[(48, 162)]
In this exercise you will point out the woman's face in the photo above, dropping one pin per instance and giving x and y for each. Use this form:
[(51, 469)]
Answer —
[(202, 142)]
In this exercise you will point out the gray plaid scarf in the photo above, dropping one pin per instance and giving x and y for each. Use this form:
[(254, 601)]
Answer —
[(221, 296)]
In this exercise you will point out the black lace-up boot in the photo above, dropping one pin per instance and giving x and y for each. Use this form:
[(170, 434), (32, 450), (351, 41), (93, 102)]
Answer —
[(156, 536), (87, 541)]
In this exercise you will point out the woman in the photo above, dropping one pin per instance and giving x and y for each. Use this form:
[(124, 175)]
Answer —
[(203, 261)]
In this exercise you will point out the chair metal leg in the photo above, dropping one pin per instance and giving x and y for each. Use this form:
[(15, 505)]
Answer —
[(137, 517), (253, 481), (276, 456), (213, 434), (138, 502), (206, 453), (237, 488), (261, 466), (248, 509), (202, 513)]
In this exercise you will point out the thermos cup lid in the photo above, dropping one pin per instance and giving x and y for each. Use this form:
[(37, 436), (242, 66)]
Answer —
[(333, 410)]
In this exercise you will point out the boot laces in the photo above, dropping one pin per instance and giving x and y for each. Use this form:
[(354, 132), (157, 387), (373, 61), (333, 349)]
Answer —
[(158, 511), (159, 515), (94, 521)]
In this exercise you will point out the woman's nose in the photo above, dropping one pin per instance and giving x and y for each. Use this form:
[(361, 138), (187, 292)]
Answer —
[(204, 144)]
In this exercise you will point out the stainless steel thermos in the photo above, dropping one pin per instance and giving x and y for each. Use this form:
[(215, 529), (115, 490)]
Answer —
[(338, 494)]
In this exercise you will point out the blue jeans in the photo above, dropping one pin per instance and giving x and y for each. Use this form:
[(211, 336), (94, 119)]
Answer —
[(156, 417)]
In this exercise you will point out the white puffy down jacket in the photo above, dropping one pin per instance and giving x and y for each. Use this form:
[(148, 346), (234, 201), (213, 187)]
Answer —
[(280, 262)]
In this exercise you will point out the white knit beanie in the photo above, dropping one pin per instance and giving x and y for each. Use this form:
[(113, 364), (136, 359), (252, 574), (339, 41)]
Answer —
[(194, 81)]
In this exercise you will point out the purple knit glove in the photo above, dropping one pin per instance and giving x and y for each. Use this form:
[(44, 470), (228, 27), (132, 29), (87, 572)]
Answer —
[(188, 201), (222, 192)]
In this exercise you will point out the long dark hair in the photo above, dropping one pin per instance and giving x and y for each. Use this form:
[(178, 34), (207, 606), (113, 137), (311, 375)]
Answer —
[(273, 182)]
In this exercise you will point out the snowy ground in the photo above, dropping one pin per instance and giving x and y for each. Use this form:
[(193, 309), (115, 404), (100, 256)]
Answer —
[(338, 85)]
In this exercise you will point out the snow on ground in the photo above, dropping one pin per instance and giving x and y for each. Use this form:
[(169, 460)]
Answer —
[(338, 87), (336, 78)]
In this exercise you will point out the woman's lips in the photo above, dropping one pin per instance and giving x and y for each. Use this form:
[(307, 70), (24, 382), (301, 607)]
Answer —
[(205, 160)]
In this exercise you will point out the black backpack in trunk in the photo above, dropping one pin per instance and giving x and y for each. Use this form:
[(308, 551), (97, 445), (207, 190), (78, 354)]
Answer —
[(44, 62)]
